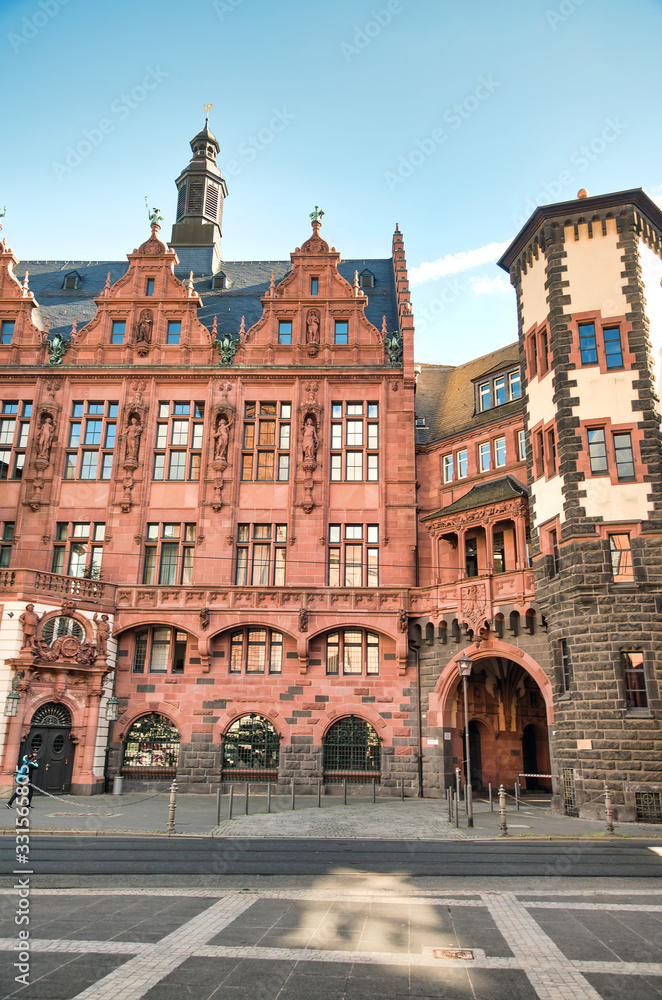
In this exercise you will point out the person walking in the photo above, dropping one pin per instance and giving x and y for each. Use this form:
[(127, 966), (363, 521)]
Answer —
[(29, 764)]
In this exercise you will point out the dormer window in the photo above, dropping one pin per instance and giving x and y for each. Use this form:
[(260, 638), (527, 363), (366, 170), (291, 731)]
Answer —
[(71, 280), (367, 279), (219, 281), (495, 390)]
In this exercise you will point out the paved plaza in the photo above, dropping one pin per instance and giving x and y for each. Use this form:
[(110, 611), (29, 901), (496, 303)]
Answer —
[(380, 939)]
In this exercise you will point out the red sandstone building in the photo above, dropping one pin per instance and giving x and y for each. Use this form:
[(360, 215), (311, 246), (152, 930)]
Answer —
[(294, 531)]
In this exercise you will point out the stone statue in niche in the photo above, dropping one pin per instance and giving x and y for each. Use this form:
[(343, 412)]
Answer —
[(144, 327), (133, 433), (222, 438), (45, 437), (104, 633), (309, 441), (313, 327)]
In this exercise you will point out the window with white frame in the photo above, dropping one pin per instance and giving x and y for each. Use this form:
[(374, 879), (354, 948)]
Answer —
[(178, 445), (495, 390), (14, 433), (353, 558), (78, 549), (91, 440), (484, 456), (462, 464), (353, 652), (499, 451), (521, 445), (448, 468), (169, 552), (354, 442), (261, 555), (266, 441)]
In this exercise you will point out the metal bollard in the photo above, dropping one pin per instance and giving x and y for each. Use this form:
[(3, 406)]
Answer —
[(293, 806), (517, 794), (449, 803), (470, 805), (319, 794), (246, 800), (489, 791), (402, 789), (171, 809), (344, 791), (231, 800), (457, 784), (218, 806), (268, 796), (456, 809), (503, 826), (609, 812)]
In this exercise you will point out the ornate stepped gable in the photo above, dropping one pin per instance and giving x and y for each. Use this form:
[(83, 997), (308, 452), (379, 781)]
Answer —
[(313, 316), (16, 306)]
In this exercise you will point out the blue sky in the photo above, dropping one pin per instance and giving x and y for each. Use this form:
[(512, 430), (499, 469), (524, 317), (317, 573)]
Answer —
[(453, 120)]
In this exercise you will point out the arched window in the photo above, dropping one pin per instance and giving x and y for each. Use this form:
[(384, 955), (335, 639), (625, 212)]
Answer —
[(357, 651), (351, 751), (151, 747), (51, 714), (55, 628), (429, 634), (159, 650), (251, 749)]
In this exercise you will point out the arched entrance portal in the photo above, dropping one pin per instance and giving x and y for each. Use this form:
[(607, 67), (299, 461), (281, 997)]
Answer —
[(50, 736), (508, 716)]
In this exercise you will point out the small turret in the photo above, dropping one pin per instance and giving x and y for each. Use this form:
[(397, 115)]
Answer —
[(196, 234)]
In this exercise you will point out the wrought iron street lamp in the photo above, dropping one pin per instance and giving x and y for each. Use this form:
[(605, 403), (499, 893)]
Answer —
[(112, 709), (464, 664), (13, 698)]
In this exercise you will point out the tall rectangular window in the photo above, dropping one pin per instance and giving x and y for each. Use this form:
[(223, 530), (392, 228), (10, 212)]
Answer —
[(613, 349), (314, 284), (341, 335), (448, 468), (6, 331), (521, 445), (462, 464), (91, 440), (354, 441), (471, 556), (484, 456), (621, 558), (500, 396), (500, 451), (14, 434), (597, 451), (515, 385), (588, 347), (118, 331), (499, 552), (551, 452), (261, 555), (78, 549), (178, 444), (484, 394), (266, 441), (169, 553), (284, 332), (5, 547), (624, 456), (544, 343), (634, 677), (149, 287), (533, 353), (353, 555), (566, 672), (174, 332), (556, 558)]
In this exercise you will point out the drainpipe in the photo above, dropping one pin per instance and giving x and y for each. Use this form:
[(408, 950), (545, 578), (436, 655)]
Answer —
[(420, 720)]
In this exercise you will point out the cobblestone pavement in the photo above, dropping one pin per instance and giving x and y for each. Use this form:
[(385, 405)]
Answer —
[(413, 819), (383, 939)]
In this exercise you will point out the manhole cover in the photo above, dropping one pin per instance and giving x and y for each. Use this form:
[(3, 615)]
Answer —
[(466, 954)]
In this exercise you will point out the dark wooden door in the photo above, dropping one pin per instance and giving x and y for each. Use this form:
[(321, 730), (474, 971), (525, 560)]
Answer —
[(55, 756)]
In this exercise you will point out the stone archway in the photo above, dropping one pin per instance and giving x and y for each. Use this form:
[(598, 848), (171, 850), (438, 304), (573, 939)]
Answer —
[(50, 737)]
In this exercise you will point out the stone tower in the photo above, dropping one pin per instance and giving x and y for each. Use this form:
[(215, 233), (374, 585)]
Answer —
[(595, 475)]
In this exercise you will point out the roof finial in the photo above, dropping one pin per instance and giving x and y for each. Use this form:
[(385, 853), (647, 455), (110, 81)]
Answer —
[(26, 289), (214, 328), (106, 287), (191, 289), (272, 284), (154, 216), (384, 326), (242, 328), (207, 108), (47, 326), (316, 216)]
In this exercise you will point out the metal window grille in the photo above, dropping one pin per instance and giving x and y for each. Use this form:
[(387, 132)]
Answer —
[(649, 806), (251, 750), (569, 792), (151, 749), (51, 714), (351, 751)]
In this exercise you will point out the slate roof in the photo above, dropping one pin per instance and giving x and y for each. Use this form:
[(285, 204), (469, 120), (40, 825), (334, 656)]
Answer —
[(445, 395), (247, 281), (495, 491)]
